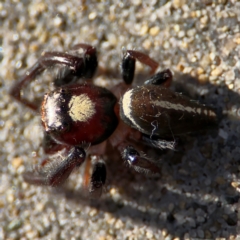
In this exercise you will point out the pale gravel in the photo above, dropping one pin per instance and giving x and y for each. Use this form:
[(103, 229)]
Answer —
[(198, 193)]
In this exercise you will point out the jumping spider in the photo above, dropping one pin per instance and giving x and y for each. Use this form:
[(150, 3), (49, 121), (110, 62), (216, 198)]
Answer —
[(80, 113)]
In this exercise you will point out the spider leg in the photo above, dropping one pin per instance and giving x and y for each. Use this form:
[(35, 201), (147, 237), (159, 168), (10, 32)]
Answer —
[(139, 161), (77, 66), (159, 143), (58, 175), (89, 56), (16, 89), (50, 146), (98, 177), (128, 68), (87, 172), (163, 78), (128, 64)]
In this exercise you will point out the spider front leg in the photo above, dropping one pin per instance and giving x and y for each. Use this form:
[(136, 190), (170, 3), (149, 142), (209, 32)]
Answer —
[(98, 177), (95, 180), (50, 146), (89, 56), (79, 66), (163, 78), (139, 161), (58, 174)]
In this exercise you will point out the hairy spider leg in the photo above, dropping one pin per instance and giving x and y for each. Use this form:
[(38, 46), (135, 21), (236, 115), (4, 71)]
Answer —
[(79, 66), (98, 176), (58, 175)]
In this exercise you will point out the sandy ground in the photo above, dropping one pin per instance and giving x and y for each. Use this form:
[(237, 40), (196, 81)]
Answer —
[(197, 195)]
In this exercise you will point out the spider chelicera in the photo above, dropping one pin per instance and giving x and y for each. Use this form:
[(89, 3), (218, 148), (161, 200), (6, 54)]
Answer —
[(79, 114)]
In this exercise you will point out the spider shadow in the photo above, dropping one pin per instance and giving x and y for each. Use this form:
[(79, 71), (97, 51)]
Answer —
[(200, 205)]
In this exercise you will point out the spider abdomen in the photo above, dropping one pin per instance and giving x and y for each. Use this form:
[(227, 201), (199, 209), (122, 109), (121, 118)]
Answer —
[(155, 110)]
